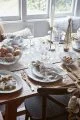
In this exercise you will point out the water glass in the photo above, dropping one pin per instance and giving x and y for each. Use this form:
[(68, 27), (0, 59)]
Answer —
[(44, 52)]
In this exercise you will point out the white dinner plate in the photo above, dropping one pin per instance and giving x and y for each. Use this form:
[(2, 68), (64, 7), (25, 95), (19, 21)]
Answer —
[(16, 77), (36, 77)]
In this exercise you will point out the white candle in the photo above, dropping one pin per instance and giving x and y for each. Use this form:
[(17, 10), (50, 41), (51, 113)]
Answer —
[(52, 14)]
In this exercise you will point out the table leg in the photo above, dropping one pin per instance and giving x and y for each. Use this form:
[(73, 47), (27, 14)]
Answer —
[(11, 109)]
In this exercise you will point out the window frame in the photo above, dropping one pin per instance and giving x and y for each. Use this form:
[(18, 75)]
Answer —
[(67, 13), (40, 16), (12, 18), (23, 12)]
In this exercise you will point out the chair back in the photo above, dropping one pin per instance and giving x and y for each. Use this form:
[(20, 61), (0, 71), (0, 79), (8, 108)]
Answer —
[(45, 92), (52, 91)]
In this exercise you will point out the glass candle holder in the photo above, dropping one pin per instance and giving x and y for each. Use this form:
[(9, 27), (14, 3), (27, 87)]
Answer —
[(66, 47)]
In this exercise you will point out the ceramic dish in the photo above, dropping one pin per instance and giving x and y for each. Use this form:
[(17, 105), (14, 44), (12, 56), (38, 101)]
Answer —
[(3, 61), (16, 78)]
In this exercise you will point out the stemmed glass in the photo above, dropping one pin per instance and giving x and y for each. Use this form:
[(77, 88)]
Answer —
[(51, 34), (30, 43), (30, 39), (44, 52)]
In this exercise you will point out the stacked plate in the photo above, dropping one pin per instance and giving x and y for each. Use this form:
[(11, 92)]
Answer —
[(48, 74)]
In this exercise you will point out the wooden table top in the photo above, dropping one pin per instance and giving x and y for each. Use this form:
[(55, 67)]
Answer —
[(24, 64)]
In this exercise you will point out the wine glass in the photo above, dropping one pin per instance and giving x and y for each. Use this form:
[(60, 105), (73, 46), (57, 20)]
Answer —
[(30, 43), (30, 39), (44, 52)]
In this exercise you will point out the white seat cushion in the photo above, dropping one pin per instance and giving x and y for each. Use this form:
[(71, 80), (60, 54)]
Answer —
[(22, 33)]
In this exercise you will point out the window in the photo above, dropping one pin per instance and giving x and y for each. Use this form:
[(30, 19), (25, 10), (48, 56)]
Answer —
[(35, 7), (64, 7), (9, 8)]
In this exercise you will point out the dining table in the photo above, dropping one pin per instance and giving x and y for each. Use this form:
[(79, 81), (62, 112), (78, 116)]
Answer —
[(34, 52)]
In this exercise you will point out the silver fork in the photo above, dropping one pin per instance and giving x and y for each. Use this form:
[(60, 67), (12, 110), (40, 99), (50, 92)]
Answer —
[(24, 77)]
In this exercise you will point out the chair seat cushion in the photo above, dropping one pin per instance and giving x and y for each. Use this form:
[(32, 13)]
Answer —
[(34, 107)]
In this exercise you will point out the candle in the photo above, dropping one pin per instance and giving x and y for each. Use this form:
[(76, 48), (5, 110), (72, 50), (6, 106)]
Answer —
[(52, 15)]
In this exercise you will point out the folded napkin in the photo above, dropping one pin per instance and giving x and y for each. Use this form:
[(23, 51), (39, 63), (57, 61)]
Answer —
[(37, 64), (46, 70), (40, 65)]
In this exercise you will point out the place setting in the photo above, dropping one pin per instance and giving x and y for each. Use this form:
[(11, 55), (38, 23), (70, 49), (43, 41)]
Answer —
[(70, 65), (44, 73)]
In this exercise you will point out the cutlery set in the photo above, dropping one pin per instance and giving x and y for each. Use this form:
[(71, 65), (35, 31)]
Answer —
[(24, 77), (71, 74), (70, 70)]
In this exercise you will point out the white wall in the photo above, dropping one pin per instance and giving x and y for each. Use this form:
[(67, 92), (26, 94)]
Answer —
[(41, 27), (38, 27)]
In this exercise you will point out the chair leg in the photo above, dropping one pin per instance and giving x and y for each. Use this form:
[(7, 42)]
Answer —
[(44, 105), (1, 117), (26, 117)]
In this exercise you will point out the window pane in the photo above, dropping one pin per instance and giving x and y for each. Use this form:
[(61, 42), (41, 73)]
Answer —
[(36, 7), (63, 6), (9, 8)]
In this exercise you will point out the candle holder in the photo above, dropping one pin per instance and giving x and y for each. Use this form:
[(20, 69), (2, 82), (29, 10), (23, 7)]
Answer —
[(68, 36), (52, 47)]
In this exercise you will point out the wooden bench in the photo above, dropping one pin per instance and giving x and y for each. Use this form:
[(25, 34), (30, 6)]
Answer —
[(1, 117)]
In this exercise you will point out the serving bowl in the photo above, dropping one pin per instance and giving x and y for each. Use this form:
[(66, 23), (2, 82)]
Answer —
[(9, 55)]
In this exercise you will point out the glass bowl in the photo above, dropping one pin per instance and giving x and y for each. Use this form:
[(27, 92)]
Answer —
[(10, 60), (68, 58)]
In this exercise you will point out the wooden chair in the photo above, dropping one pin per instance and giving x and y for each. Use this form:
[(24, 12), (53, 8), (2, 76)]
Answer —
[(50, 104)]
